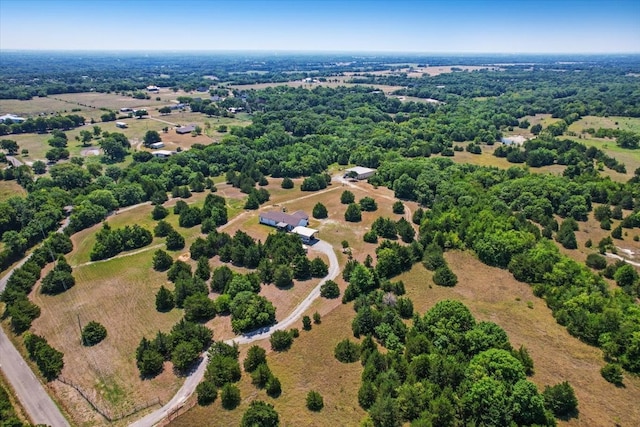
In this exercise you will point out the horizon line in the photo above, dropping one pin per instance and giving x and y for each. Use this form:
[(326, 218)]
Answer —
[(297, 51)]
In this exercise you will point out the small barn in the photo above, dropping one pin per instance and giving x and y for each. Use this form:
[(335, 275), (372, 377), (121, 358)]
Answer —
[(121, 125), (284, 220), (185, 129), (162, 154), (307, 235), (359, 172), (157, 145)]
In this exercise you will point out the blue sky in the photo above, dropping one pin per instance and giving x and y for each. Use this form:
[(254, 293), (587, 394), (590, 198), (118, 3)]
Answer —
[(454, 26)]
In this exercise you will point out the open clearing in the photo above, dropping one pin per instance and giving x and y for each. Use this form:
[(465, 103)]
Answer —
[(10, 189)]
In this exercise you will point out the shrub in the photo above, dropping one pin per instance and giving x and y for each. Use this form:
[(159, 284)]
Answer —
[(560, 399), (93, 333), (287, 183), (353, 213), (398, 207), (162, 229), (368, 204), (316, 318), (596, 261), (162, 261), (329, 290), (230, 398), (320, 211), (347, 351), (445, 277), (347, 197), (370, 237), (306, 323), (314, 401), (281, 340), (273, 387), (175, 241), (319, 268), (261, 375), (612, 373), (164, 300), (159, 212), (255, 357), (207, 393), (260, 414)]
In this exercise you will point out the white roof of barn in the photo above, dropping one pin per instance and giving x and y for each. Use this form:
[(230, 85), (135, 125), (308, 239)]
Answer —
[(163, 153), (360, 170)]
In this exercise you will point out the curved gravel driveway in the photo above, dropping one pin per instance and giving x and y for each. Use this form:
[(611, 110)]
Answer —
[(197, 374)]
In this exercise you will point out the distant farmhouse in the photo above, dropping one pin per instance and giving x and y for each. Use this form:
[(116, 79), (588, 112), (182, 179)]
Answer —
[(185, 129), (11, 118), (153, 89), (359, 172), (283, 220)]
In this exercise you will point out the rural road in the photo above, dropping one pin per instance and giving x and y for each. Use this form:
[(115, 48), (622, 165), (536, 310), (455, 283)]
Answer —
[(196, 376), (28, 389)]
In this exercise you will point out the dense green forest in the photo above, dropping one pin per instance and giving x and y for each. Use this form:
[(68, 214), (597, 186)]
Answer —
[(511, 218)]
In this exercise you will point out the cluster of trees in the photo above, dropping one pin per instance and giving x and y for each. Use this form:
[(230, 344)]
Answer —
[(316, 182), (624, 139), (223, 370), (494, 212), (389, 229), (447, 368), (41, 124), (49, 360), (59, 279), (111, 242), (182, 346), (547, 150), (18, 306), (25, 221)]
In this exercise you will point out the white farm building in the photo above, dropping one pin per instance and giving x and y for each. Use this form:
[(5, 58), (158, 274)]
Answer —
[(359, 172)]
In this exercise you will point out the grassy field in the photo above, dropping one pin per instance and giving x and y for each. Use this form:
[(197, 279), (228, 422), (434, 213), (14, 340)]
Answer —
[(612, 122), (10, 189)]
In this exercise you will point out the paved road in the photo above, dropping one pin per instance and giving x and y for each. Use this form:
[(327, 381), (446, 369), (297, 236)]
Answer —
[(27, 387), (196, 376)]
